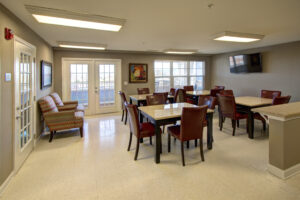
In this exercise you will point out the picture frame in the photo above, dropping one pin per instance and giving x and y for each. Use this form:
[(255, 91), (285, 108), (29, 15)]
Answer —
[(138, 73), (46, 74)]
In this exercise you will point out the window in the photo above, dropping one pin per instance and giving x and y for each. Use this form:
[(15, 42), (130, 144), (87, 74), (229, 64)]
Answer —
[(177, 74)]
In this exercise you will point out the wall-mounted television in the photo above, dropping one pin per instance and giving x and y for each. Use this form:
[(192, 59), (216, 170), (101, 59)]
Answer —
[(245, 63)]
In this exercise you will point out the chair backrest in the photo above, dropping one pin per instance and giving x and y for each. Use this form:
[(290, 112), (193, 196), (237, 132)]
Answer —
[(57, 99), (214, 92), (270, 94), (47, 105), (180, 96), (172, 91), (226, 92), (143, 91), (188, 88), (156, 99), (281, 100), (123, 99), (227, 105), (133, 119), (219, 87), (209, 101), (192, 123), (165, 94)]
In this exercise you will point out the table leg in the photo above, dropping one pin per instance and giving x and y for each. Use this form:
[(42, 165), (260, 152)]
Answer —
[(210, 138), (157, 143), (220, 117), (250, 125), (141, 120)]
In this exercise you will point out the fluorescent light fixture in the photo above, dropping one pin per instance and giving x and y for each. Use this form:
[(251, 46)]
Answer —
[(177, 51), (72, 19), (228, 36), (77, 45)]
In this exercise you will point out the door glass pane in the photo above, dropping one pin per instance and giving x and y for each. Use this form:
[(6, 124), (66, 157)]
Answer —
[(79, 83), (106, 84), (197, 82)]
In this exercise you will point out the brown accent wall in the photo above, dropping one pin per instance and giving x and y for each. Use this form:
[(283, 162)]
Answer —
[(126, 58), (43, 52), (281, 71)]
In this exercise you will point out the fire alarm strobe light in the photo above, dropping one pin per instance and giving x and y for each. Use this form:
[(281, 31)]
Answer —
[(8, 34)]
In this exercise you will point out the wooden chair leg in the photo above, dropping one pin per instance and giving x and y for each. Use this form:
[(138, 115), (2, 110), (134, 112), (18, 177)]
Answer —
[(221, 126), (164, 128), (264, 125), (51, 136), (188, 144), (238, 123), (125, 117), (169, 142), (137, 148), (130, 139), (233, 122), (196, 143), (122, 115), (150, 140), (182, 154), (201, 149), (81, 131)]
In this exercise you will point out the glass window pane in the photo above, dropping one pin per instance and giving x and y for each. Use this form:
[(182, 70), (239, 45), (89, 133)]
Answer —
[(197, 68), (179, 68), (197, 82), (179, 82), (162, 84)]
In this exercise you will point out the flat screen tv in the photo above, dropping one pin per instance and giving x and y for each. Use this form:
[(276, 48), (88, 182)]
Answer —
[(245, 63)]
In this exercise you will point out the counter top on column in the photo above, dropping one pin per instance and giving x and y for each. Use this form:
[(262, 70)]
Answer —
[(283, 112)]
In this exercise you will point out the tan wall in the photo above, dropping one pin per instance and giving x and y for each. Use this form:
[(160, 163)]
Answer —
[(43, 52), (281, 71), (126, 59)]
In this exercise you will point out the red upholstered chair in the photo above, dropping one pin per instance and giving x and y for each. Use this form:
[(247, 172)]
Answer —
[(220, 87), (228, 109), (276, 101), (143, 91), (270, 94), (226, 92), (180, 96), (209, 101), (66, 105), (60, 120), (124, 110), (214, 92), (188, 88), (140, 130), (191, 128), (165, 94), (172, 91), (156, 99)]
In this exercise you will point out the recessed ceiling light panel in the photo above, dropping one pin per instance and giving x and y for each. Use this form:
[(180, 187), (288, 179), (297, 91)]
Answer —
[(72, 19), (77, 45), (178, 51), (228, 36)]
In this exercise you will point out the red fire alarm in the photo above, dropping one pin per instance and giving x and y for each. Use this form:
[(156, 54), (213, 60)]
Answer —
[(8, 34)]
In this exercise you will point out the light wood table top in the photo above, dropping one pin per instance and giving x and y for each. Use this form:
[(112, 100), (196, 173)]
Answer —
[(166, 111), (253, 101), (142, 97), (283, 111), (198, 92)]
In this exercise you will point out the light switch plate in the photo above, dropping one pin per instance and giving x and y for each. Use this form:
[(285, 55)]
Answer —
[(7, 77)]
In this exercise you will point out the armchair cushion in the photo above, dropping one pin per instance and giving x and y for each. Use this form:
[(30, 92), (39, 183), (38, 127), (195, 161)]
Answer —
[(57, 99), (64, 120), (47, 105)]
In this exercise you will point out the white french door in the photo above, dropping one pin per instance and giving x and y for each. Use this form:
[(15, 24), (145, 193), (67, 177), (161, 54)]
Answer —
[(93, 83), (24, 91)]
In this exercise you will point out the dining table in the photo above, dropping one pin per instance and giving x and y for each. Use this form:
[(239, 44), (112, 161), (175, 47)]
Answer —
[(140, 99), (246, 104), (198, 93), (164, 114)]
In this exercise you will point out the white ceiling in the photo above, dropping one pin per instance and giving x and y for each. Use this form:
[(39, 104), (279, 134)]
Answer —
[(155, 25)]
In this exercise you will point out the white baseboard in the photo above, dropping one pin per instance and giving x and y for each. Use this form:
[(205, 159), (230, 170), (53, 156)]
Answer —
[(6, 182), (284, 174)]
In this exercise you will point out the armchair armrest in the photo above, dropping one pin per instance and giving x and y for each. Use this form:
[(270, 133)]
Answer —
[(67, 107), (70, 102), (59, 116)]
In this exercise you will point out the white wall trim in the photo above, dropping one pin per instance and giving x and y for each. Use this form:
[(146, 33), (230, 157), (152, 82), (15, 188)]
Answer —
[(284, 174), (6, 183)]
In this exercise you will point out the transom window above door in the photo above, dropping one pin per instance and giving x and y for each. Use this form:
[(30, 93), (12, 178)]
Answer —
[(176, 74)]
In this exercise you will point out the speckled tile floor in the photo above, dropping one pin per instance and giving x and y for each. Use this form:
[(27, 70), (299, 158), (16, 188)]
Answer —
[(98, 166)]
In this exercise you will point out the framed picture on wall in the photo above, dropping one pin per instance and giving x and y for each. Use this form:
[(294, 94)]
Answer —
[(46, 74), (138, 73)]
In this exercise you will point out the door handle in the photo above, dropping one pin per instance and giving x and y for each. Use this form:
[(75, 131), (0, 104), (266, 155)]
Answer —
[(18, 117)]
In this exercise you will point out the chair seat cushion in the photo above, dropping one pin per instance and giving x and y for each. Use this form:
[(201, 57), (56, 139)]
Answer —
[(241, 115), (204, 123), (259, 117), (80, 108), (175, 131), (147, 129)]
